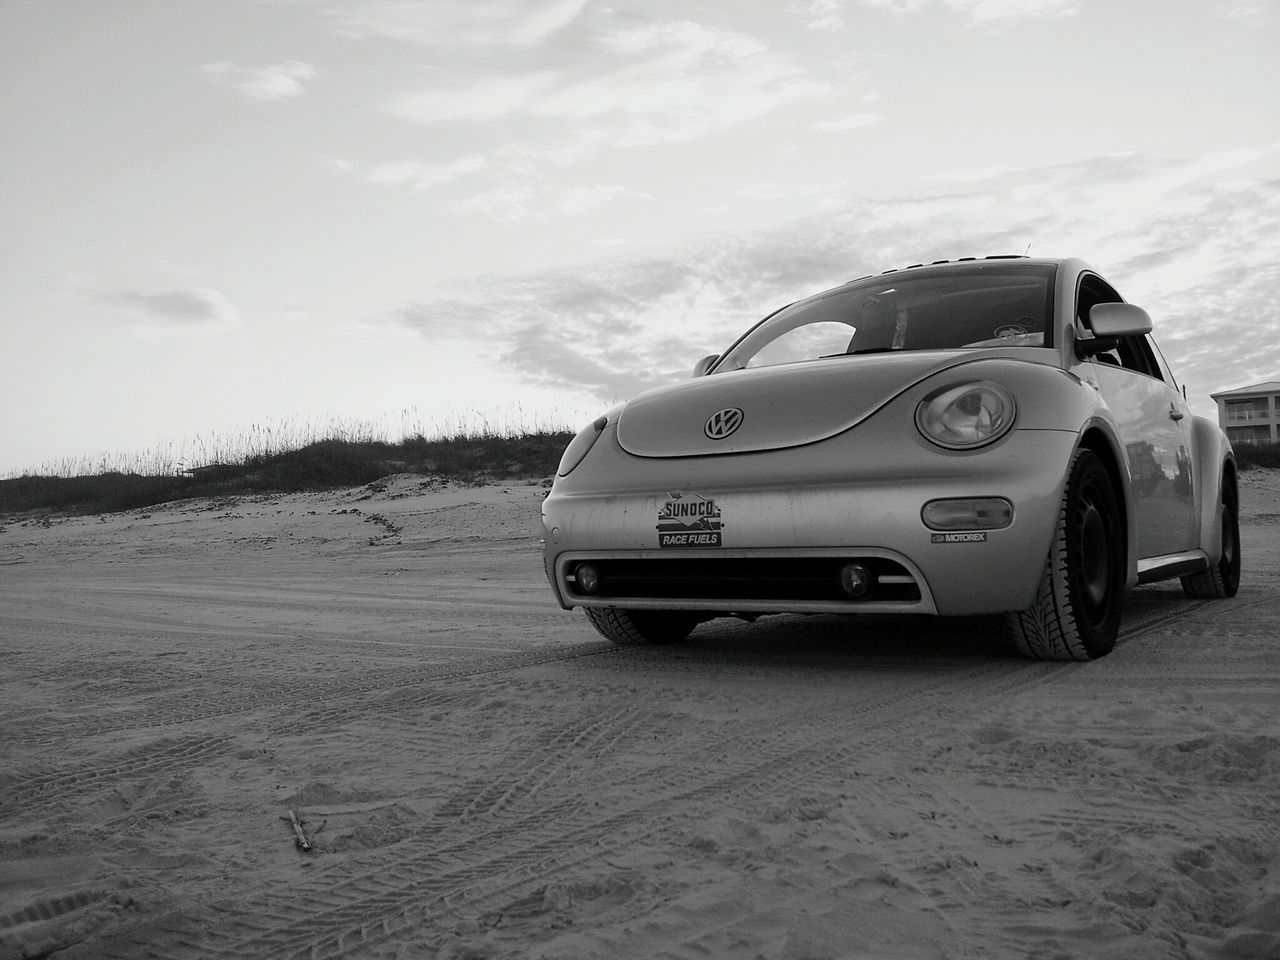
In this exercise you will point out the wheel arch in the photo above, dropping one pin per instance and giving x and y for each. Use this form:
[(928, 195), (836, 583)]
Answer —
[(1215, 463), (1104, 444)]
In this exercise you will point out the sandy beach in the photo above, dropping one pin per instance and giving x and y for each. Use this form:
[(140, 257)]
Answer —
[(478, 775)]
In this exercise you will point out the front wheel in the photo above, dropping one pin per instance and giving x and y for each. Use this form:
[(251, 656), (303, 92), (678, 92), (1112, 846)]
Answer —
[(632, 628), (1076, 613), (1223, 579)]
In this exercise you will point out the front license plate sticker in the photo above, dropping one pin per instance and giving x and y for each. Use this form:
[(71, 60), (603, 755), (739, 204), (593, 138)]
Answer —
[(689, 520)]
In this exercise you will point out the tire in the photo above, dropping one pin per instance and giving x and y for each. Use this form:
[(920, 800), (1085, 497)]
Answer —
[(634, 628), (1076, 613), (1222, 580)]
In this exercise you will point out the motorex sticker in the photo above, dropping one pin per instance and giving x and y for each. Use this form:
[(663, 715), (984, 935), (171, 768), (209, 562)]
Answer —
[(971, 537)]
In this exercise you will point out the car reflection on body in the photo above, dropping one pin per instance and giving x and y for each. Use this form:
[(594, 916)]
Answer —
[(982, 436)]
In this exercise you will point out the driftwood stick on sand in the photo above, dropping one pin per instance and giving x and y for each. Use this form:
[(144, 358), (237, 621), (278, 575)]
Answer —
[(299, 835)]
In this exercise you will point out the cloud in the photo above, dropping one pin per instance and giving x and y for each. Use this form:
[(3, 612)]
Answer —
[(161, 312), (1246, 11), (533, 203), (786, 190), (668, 81), (492, 98), (825, 16), (517, 195), (645, 83), (618, 329), (683, 81), (279, 81), (1199, 248), (580, 329), (983, 11), (423, 176), (856, 121), (895, 6), (545, 359), (449, 24)]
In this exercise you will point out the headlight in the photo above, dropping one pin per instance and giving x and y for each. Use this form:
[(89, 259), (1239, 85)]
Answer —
[(967, 415), (580, 446)]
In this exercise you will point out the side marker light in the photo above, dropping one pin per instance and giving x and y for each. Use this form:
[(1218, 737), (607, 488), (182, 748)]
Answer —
[(967, 513)]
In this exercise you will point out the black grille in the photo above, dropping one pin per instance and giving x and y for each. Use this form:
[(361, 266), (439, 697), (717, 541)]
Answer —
[(746, 578)]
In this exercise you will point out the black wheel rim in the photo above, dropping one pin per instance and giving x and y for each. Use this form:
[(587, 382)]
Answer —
[(1228, 543), (1229, 564), (1093, 560)]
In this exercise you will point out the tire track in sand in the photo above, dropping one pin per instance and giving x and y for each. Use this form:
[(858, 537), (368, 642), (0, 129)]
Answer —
[(148, 760), (292, 697), (563, 833), (476, 859), (456, 862)]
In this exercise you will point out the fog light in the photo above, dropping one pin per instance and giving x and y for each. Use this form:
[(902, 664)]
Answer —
[(587, 577), (969, 513), (855, 580)]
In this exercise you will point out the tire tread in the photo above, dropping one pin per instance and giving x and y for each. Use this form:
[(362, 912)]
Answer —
[(1214, 583), (1050, 629), (630, 629), (1047, 629)]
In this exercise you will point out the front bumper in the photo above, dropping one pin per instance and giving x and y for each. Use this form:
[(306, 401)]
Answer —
[(760, 522)]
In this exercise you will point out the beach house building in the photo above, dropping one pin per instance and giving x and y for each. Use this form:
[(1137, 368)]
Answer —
[(1250, 414)]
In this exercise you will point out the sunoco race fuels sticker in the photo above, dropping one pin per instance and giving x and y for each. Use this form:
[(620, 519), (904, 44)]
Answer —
[(689, 520)]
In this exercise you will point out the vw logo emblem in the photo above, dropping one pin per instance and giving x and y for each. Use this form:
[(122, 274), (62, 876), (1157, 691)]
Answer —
[(722, 423)]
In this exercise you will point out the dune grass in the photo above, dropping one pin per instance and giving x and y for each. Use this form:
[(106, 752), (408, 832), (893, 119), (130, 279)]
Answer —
[(276, 462), (291, 457), (1250, 455)]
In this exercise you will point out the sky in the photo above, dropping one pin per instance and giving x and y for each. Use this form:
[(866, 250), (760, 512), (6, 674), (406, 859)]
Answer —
[(227, 216)]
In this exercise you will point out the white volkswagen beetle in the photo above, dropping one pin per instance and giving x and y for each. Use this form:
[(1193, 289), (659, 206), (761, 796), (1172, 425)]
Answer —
[(983, 436)]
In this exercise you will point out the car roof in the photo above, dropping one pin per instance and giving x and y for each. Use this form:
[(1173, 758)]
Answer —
[(964, 262)]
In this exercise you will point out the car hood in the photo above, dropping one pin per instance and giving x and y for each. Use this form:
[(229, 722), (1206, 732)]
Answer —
[(783, 406)]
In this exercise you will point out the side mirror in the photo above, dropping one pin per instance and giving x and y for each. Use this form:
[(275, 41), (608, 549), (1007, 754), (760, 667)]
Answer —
[(1109, 322), (703, 365), (1118, 320)]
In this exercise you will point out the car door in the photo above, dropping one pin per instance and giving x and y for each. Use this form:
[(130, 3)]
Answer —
[(1154, 424)]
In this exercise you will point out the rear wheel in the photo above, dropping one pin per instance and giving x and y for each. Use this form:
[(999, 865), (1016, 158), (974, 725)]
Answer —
[(632, 628), (1223, 578), (1076, 613)]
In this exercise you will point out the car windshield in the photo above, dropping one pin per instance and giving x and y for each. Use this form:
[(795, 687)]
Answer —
[(979, 304)]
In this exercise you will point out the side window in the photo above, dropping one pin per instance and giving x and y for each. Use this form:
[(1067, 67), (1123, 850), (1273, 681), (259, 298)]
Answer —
[(1093, 291), (1135, 354), (1132, 353), (1166, 374)]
